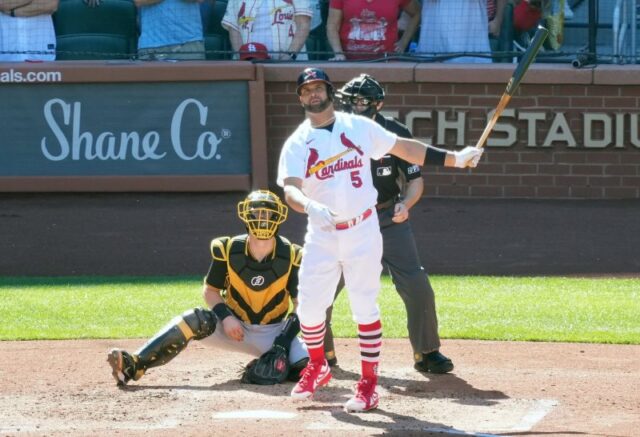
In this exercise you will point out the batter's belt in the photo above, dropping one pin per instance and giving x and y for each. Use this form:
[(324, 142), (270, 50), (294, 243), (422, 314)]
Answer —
[(354, 221)]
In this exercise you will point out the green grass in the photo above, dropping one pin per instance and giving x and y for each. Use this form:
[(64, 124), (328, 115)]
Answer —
[(596, 310)]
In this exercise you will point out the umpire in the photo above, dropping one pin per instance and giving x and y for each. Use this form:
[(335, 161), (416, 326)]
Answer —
[(364, 95)]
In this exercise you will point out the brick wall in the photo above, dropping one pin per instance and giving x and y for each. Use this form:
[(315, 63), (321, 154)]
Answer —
[(549, 158)]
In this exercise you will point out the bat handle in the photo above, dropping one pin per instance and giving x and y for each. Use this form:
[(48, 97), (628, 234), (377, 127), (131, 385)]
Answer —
[(504, 101), (485, 134)]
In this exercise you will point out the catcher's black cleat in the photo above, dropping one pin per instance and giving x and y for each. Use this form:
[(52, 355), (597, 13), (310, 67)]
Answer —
[(122, 366), (434, 362)]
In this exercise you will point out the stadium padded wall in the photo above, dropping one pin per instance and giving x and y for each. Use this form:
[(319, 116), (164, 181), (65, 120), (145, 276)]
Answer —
[(567, 133)]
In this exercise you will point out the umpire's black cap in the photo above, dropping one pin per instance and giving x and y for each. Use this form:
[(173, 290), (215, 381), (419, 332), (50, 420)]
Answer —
[(314, 75)]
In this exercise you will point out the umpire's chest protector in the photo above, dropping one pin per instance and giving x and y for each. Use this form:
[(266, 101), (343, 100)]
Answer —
[(257, 291)]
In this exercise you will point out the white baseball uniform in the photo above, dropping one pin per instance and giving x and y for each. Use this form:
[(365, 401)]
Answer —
[(343, 184), (269, 22)]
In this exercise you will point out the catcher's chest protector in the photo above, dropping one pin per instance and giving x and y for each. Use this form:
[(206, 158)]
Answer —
[(257, 290)]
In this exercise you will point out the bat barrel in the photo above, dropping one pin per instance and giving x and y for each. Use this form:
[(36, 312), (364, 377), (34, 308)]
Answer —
[(515, 80), (527, 59)]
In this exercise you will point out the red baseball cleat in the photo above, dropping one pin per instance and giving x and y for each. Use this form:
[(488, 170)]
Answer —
[(366, 397), (315, 375)]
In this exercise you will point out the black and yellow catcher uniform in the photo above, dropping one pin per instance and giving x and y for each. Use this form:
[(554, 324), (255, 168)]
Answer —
[(257, 293)]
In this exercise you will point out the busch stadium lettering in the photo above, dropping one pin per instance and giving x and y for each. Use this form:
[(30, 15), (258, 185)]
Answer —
[(534, 129)]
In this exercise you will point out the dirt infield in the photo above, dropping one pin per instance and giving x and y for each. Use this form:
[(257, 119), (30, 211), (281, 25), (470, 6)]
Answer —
[(498, 388)]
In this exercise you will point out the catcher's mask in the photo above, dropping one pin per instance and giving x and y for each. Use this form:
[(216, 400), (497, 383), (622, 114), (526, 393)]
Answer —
[(263, 213), (363, 90)]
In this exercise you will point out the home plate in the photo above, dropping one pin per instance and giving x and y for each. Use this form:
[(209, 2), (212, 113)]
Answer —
[(254, 414)]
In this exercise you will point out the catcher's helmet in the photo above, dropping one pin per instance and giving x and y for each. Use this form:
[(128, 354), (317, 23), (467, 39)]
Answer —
[(262, 212), (364, 89), (314, 75)]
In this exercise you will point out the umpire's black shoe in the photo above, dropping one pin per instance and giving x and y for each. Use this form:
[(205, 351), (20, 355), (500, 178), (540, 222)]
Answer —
[(434, 362), (331, 358)]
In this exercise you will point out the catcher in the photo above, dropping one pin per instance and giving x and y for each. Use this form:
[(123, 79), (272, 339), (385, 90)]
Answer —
[(251, 281)]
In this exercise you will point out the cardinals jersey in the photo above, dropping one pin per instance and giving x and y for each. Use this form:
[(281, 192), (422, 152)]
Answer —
[(268, 22), (335, 165)]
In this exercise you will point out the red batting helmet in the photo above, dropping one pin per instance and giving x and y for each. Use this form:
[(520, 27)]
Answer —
[(314, 75)]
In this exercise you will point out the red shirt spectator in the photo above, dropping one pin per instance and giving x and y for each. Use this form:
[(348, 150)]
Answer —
[(526, 15), (366, 29)]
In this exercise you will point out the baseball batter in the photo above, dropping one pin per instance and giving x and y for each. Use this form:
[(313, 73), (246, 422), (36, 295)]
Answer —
[(400, 186), (325, 171), (249, 286)]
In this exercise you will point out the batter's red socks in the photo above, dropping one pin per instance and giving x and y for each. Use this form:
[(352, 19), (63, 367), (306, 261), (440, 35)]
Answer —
[(313, 337), (370, 339)]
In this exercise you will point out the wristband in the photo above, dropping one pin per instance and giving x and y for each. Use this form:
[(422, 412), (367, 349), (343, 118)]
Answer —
[(435, 156), (13, 12), (221, 311), (293, 55)]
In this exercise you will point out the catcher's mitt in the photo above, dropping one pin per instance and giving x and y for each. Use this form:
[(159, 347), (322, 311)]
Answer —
[(271, 368)]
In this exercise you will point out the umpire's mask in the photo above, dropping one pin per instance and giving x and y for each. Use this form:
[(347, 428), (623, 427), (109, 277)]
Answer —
[(363, 90)]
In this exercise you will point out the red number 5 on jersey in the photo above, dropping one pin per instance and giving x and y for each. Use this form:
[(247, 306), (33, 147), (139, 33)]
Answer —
[(356, 181)]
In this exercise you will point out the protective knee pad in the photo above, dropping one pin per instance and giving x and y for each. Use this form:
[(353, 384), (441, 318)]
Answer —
[(290, 330), (201, 323), (174, 337)]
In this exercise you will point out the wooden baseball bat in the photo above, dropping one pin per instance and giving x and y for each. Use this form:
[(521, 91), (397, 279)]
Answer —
[(516, 78), (328, 161)]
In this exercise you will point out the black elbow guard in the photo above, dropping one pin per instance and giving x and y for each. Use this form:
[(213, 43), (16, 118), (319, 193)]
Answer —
[(435, 156)]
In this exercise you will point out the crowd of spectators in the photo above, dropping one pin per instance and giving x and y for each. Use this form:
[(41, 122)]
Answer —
[(281, 30)]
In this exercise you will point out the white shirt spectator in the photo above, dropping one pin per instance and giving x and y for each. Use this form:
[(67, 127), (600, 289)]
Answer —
[(280, 25), (29, 38), (455, 26)]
